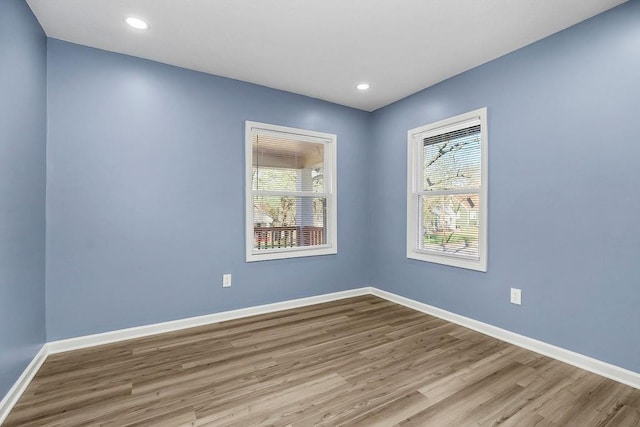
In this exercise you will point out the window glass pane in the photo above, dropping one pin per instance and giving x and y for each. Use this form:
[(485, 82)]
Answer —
[(283, 222), (284, 164), (452, 160), (449, 224), (274, 179)]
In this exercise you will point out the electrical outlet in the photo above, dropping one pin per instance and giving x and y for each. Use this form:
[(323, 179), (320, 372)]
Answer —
[(226, 280), (516, 296)]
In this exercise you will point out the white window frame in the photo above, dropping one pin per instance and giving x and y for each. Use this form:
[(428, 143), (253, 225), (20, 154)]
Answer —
[(329, 179), (415, 190)]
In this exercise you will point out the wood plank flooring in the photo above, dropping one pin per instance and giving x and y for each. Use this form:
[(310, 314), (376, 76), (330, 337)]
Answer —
[(356, 362)]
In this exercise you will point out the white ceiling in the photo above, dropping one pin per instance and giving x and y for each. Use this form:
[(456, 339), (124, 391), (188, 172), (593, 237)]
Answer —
[(319, 48)]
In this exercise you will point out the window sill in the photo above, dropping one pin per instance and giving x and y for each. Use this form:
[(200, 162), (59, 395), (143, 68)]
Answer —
[(272, 254), (453, 261)]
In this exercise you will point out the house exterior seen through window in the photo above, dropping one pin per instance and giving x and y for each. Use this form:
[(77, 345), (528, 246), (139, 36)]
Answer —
[(290, 196), (447, 192)]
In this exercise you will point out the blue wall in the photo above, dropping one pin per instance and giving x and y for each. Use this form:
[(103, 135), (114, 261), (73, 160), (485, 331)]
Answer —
[(563, 197), (22, 188), (145, 201)]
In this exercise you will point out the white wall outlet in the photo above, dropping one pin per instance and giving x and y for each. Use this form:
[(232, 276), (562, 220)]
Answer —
[(226, 280), (516, 296)]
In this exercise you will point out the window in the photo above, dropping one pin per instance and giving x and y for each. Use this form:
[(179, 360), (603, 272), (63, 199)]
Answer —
[(290, 192), (447, 192)]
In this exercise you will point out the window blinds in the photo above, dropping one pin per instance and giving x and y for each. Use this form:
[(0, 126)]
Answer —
[(289, 194), (449, 201)]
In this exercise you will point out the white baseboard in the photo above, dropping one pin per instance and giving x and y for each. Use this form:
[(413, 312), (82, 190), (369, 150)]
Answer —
[(158, 328), (578, 360), (604, 369), (11, 398)]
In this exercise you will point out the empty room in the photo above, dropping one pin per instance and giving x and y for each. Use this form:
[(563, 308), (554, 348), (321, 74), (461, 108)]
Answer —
[(331, 213)]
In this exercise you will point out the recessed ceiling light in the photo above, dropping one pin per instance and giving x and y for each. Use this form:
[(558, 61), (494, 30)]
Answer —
[(363, 86), (136, 23)]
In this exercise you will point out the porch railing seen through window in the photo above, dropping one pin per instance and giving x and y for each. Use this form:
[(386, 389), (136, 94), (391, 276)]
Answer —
[(287, 237)]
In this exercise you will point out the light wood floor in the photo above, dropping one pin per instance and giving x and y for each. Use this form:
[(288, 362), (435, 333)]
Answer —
[(357, 362)]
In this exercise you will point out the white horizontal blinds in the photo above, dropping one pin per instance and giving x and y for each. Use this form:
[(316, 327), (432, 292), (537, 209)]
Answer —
[(289, 199), (450, 224), (282, 162), (449, 203), (452, 159)]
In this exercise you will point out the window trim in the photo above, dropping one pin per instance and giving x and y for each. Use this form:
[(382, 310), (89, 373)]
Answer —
[(414, 177), (330, 141)]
